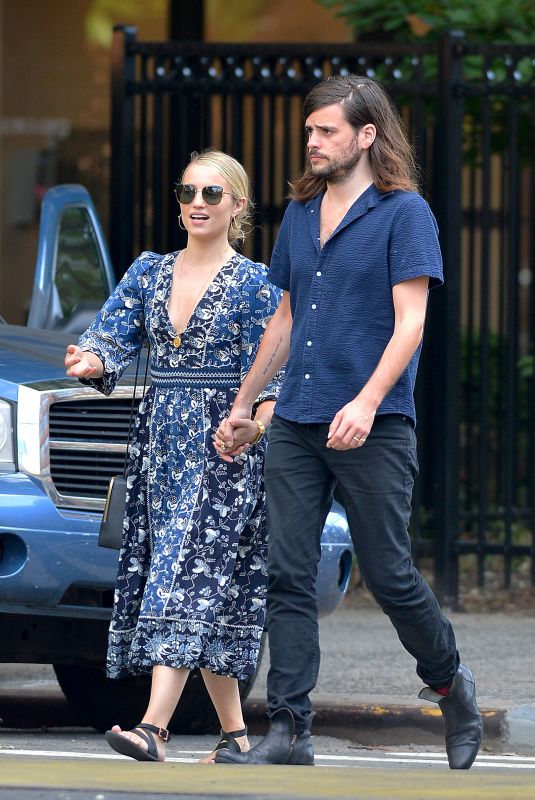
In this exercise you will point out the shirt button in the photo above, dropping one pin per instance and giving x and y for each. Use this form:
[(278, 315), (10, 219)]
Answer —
[(309, 343), (307, 376), (313, 305), (318, 274)]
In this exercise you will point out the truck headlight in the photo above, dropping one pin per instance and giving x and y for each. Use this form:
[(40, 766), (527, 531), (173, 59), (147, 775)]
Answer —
[(7, 457)]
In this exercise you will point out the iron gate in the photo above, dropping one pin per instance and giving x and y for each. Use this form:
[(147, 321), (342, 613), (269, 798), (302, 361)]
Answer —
[(470, 114)]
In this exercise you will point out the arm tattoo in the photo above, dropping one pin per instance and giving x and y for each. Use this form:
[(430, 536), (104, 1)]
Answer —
[(268, 365)]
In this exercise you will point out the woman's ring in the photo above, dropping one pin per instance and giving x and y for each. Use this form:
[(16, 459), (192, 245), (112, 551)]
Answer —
[(223, 446)]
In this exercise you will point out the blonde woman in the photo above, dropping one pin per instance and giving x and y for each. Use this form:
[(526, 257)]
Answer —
[(192, 577)]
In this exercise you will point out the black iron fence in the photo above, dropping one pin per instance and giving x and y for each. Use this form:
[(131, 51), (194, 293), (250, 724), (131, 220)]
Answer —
[(470, 114)]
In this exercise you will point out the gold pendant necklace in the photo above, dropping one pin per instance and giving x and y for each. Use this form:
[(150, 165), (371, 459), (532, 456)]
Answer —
[(177, 337)]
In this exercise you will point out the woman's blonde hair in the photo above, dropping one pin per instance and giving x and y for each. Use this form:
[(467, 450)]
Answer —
[(235, 175)]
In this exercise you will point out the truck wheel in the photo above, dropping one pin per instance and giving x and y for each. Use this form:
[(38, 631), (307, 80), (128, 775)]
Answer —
[(101, 702)]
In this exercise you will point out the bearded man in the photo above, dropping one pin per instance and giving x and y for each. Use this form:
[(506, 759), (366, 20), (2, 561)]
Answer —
[(356, 255)]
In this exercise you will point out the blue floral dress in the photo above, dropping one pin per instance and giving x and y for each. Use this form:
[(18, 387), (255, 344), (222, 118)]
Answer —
[(191, 581)]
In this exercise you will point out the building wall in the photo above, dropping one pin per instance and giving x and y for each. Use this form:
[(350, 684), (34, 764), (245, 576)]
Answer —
[(54, 58), (272, 21)]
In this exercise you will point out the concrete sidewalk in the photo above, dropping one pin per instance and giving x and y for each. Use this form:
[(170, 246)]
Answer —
[(367, 691), (368, 688)]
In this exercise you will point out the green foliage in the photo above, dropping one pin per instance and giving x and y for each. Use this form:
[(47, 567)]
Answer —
[(526, 366), (472, 352), (482, 21), (406, 20)]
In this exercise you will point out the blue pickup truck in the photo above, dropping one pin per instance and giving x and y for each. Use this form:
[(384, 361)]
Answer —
[(60, 442)]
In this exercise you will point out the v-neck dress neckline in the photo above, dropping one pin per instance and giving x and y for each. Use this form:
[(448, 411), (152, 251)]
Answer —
[(210, 288)]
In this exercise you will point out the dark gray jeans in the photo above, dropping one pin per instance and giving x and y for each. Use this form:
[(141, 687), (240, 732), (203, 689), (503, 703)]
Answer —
[(374, 484)]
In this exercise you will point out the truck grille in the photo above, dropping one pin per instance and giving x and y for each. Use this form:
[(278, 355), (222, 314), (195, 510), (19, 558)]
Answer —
[(87, 440)]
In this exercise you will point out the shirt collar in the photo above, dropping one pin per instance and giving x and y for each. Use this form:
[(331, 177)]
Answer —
[(369, 199)]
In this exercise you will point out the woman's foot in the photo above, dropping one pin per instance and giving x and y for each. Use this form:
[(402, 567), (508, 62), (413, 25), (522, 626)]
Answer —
[(145, 742), (235, 740)]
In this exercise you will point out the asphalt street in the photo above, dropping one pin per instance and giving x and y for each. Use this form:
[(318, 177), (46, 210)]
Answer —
[(61, 775)]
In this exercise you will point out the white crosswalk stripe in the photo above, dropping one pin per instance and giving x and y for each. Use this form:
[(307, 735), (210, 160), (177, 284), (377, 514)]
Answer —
[(489, 761)]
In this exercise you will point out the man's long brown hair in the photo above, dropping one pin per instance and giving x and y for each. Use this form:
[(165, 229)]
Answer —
[(363, 101)]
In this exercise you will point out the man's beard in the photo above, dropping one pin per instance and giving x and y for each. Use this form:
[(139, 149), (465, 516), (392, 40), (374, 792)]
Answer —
[(340, 169)]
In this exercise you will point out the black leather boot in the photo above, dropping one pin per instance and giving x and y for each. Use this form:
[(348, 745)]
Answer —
[(463, 724), (279, 746), (303, 752)]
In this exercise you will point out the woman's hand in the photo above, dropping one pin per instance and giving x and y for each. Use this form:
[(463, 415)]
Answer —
[(82, 364)]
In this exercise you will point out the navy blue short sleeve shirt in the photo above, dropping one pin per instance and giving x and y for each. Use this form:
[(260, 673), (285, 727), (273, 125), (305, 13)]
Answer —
[(341, 298)]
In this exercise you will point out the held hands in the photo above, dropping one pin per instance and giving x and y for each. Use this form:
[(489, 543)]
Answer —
[(235, 433), (351, 426), (81, 364)]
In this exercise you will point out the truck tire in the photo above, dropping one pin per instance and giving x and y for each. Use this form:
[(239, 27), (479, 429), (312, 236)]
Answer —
[(101, 702)]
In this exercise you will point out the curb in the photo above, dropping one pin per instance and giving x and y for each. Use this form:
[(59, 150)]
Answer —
[(519, 729), (371, 724), (365, 722)]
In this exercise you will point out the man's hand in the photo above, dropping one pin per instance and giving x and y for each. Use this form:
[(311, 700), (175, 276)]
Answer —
[(82, 364), (351, 426)]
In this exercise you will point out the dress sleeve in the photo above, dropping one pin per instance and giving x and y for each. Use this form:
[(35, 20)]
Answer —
[(259, 302), (116, 335)]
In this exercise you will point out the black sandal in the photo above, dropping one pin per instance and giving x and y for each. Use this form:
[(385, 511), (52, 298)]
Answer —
[(228, 740), (125, 747)]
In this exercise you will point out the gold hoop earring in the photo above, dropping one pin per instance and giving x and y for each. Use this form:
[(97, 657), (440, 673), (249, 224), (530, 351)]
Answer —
[(180, 223), (235, 231), (232, 229)]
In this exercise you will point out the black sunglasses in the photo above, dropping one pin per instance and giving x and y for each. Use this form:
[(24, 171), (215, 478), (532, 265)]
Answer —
[(186, 192)]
